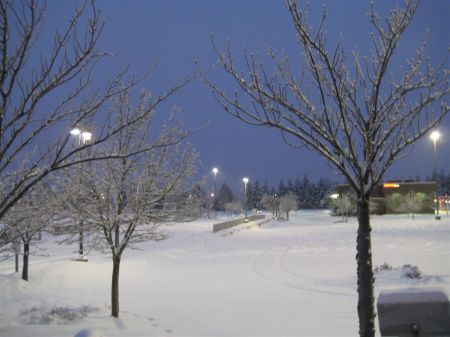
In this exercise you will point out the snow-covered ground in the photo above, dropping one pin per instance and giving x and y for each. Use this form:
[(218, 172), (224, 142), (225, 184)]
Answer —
[(292, 278)]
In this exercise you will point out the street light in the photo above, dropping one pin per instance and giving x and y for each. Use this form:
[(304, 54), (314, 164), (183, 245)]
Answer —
[(245, 180), (84, 137), (215, 170), (275, 206), (435, 135)]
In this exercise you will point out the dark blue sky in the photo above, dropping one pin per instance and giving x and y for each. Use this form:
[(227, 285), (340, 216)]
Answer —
[(174, 33)]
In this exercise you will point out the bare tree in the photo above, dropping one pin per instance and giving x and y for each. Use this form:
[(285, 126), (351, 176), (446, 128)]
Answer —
[(43, 95), (360, 114), (234, 207), (409, 203), (288, 203), (30, 216), (345, 205), (128, 200), (269, 202)]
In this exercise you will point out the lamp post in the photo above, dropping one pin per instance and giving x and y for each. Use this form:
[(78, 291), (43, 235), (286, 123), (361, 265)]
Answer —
[(245, 180), (84, 137), (275, 205), (435, 135), (215, 170)]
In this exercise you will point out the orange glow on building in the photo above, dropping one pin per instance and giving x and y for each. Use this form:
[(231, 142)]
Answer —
[(391, 185)]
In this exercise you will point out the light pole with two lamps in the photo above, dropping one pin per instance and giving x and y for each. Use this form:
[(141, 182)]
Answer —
[(84, 137)]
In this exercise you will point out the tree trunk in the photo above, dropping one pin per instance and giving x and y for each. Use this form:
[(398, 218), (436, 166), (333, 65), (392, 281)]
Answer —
[(80, 240), (26, 253), (115, 287), (17, 262), (16, 247), (366, 310)]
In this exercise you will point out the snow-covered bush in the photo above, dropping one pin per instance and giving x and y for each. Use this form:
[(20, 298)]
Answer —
[(56, 315), (406, 271), (412, 272), (383, 267)]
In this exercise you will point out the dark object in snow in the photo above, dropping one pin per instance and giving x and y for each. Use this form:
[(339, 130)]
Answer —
[(56, 314), (407, 270), (383, 267), (411, 271), (414, 312), (90, 333)]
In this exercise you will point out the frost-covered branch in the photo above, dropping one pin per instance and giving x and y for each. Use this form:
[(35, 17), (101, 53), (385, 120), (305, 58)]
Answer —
[(45, 95)]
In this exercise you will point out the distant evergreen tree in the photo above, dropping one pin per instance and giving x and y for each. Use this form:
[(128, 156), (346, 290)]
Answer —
[(290, 186), (305, 193), (297, 188), (309, 195), (322, 189), (254, 195), (282, 190), (224, 196), (265, 188), (273, 191)]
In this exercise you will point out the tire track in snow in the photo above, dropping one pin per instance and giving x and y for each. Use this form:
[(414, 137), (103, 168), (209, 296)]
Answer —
[(277, 272)]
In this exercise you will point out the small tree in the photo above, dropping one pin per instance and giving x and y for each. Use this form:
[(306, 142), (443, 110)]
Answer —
[(195, 202), (394, 202), (411, 204), (234, 207), (345, 205), (129, 199), (29, 217), (288, 203), (270, 202)]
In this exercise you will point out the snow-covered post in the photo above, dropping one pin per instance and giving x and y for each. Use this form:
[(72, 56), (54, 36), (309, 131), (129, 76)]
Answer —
[(359, 113)]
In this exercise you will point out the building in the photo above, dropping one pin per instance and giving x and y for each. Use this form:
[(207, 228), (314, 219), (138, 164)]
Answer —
[(400, 196)]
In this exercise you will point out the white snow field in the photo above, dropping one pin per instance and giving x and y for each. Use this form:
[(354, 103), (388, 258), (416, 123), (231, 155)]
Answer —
[(292, 278)]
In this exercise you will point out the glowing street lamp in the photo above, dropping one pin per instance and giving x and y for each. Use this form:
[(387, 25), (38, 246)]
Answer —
[(84, 137), (435, 135), (245, 180), (75, 132), (215, 170)]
